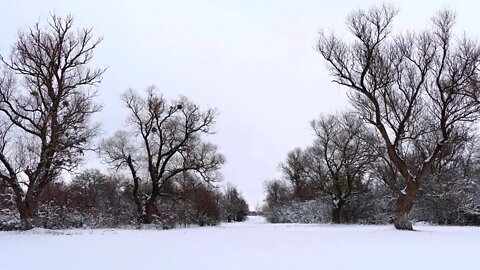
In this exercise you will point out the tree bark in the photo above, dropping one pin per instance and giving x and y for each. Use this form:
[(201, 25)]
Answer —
[(337, 212), (403, 208), (136, 185), (336, 215), (150, 209), (26, 212), (26, 203)]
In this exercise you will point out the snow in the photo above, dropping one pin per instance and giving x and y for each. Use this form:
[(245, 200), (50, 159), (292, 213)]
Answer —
[(250, 245), (4, 174), (335, 202)]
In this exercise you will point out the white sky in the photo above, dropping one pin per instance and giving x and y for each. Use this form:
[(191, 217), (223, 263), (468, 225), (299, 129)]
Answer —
[(255, 61)]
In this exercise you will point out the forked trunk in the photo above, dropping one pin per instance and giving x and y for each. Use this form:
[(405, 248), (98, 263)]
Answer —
[(337, 211), (403, 208)]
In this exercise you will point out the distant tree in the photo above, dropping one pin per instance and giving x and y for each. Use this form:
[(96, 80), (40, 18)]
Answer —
[(46, 102), (294, 171), (420, 91), (234, 205), (278, 192), (87, 187), (338, 159), (165, 140)]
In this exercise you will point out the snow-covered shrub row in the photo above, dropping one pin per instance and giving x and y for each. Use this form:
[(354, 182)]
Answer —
[(367, 208), (453, 203), (311, 211), (96, 200), (450, 200)]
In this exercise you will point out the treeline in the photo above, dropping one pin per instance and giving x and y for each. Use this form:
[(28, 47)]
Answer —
[(167, 169), (342, 178), (97, 200)]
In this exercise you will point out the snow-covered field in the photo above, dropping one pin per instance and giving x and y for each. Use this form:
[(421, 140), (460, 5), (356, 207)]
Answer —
[(250, 245)]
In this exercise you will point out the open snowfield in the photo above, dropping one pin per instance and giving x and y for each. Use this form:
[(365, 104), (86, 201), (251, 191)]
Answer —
[(250, 245)]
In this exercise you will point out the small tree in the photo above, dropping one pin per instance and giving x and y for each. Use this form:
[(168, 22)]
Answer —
[(165, 140), (234, 205), (420, 91), (45, 120)]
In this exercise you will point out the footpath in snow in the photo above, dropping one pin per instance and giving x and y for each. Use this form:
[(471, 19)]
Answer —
[(250, 245)]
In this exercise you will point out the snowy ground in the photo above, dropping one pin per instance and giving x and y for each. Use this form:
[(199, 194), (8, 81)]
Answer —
[(249, 245)]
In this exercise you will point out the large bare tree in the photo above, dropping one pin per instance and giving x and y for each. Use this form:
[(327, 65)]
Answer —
[(419, 90), (46, 101), (164, 140)]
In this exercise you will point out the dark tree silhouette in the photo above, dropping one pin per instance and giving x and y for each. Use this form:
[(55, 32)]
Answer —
[(46, 101)]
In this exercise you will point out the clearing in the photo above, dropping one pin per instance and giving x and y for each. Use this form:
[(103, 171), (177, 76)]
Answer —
[(250, 245)]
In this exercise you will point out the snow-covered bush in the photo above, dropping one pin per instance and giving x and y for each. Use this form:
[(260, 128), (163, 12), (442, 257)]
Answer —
[(9, 220), (312, 211)]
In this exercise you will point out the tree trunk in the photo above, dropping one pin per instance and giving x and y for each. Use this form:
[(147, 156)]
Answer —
[(336, 214), (26, 214), (150, 210), (337, 211), (136, 185), (25, 203), (403, 207)]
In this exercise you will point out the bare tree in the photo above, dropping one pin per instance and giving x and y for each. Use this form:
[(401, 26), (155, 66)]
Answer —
[(337, 161), (46, 101), (277, 192), (294, 170), (165, 140), (418, 90)]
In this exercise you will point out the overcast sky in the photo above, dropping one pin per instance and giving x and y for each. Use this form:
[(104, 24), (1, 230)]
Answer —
[(255, 61)]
